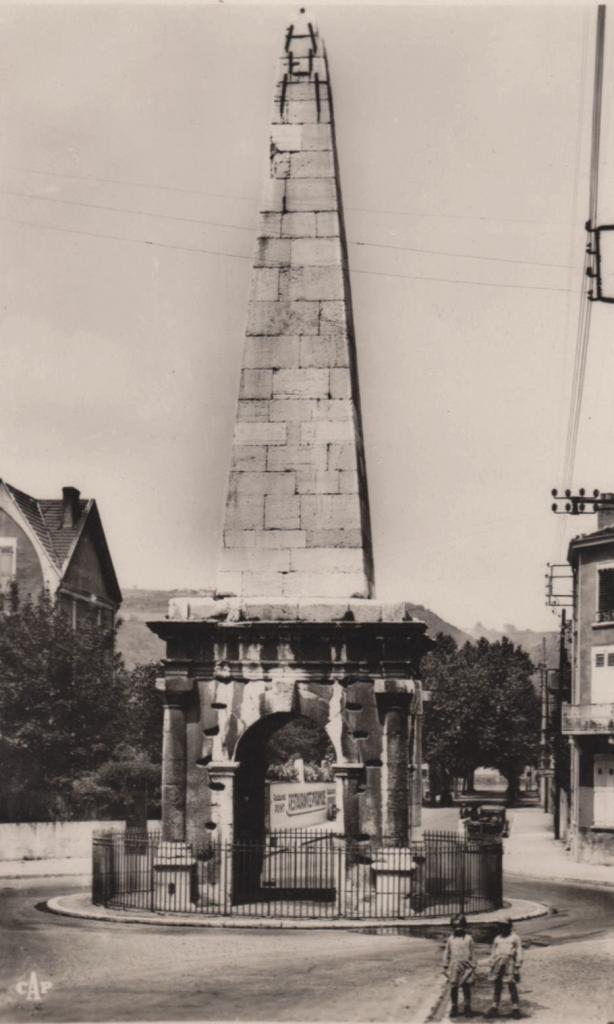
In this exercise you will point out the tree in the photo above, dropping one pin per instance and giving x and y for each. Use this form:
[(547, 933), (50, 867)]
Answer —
[(483, 710), (61, 704), (79, 734), (144, 710), (300, 737), (128, 784)]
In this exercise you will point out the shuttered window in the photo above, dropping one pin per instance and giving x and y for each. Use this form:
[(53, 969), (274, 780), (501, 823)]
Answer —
[(602, 674), (603, 813), (7, 562), (606, 595)]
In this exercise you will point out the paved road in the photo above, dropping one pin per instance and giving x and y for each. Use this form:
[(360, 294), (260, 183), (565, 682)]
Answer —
[(568, 977), (569, 966), (102, 972)]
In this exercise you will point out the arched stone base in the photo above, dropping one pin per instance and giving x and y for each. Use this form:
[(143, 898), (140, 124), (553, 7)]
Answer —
[(352, 668)]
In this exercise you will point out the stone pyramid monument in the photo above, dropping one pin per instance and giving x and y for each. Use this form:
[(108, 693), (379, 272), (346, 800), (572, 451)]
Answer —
[(297, 511), (294, 630)]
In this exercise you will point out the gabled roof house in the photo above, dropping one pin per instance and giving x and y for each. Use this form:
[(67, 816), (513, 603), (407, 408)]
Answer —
[(58, 544)]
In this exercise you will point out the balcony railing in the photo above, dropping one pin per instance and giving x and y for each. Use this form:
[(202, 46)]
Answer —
[(587, 719), (605, 615)]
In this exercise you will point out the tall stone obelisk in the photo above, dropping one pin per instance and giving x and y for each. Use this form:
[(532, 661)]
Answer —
[(297, 513), (294, 630)]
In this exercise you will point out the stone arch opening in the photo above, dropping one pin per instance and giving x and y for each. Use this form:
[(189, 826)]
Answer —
[(272, 741)]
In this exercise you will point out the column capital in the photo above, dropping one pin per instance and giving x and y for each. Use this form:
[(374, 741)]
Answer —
[(348, 769), (228, 768), (395, 700), (174, 685)]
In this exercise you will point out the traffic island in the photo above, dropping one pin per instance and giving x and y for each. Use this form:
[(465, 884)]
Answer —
[(483, 926)]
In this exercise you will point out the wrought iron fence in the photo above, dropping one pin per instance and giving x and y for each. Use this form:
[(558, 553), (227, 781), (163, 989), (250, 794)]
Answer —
[(309, 874)]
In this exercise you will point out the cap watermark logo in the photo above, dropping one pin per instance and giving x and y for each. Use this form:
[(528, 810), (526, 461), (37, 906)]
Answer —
[(33, 987)]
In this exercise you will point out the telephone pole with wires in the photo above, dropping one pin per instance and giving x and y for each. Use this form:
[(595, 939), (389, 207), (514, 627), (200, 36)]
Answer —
[(592, 269)]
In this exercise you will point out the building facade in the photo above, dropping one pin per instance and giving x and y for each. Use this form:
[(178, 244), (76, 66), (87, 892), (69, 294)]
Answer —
[(588, 720), (58, 545)]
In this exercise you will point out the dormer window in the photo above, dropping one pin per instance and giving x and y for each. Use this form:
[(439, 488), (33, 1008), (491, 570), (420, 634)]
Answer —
[(605, 599), (8, 553)]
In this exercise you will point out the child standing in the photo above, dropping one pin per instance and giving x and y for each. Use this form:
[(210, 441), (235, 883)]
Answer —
[(505, 963), (459, 964)]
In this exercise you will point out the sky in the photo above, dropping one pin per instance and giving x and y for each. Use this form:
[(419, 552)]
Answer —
[(133, 148)]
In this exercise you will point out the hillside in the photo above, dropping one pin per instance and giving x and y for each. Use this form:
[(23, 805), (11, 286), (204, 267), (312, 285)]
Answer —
[(531, 640), (137, 644)]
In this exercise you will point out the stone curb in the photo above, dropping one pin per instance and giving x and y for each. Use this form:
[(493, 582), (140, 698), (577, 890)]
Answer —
[(588, 883), (78, 905), (435, 1002), (26, 876)]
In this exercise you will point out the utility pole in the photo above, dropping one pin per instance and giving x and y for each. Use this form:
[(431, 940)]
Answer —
[(544, 760), (557, 725), (559, 593)]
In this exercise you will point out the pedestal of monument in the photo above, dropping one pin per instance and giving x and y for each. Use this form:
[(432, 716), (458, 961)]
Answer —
[(351, 667), (174, 877)]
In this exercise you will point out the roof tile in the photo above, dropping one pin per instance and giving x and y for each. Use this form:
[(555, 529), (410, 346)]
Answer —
[(45, 516)]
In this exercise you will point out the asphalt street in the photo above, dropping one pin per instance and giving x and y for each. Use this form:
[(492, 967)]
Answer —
[(568, 973), (107, 972), (103, 972)]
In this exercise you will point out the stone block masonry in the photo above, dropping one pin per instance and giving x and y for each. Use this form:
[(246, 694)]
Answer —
[(293, 629), (297, 513)]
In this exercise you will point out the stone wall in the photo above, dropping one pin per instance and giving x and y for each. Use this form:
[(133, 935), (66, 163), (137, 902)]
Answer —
[(594, 846), (51, 840)]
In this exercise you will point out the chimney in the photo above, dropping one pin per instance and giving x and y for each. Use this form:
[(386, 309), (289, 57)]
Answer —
[(70, 507), (605, 516)]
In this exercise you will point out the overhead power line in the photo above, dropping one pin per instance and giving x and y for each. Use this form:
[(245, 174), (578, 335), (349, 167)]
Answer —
[(124, 181), (253, 199), (584, 316), (124, 209), (240, 256), (463, 255), (241, 227)]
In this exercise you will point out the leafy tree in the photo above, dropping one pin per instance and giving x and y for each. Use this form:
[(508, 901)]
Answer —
[(483, 710), (61, 703), (127, 785), (300, 737), (78, 733), (144, 710)]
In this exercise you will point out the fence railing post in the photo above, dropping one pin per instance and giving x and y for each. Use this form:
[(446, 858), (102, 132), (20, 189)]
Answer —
[(340, 867), (299, 874)]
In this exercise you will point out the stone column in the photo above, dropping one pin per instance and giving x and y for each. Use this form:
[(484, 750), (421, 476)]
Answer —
[(415, 781), (396, 771), (175, 688), (222, 785), (349, 776)]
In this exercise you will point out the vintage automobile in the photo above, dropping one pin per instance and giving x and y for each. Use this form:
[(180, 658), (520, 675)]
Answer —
[(484, 821)]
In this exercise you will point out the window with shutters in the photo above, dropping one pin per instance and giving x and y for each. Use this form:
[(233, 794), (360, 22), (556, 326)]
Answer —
[(602, 675), (8, 552), (603, 791), (605, 597)]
